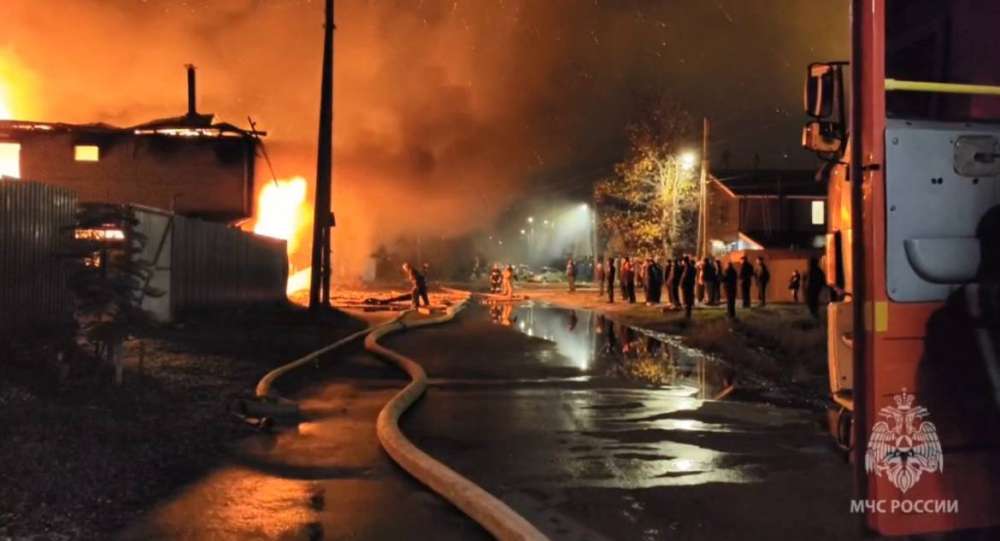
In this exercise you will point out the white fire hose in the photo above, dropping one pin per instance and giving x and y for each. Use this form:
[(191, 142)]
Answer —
[(481, 506), (492, 514), (267, 406)]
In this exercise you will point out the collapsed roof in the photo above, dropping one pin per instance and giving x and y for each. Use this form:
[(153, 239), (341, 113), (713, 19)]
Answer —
[(192, 124)]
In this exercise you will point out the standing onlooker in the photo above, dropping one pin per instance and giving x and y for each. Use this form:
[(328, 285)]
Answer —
[(609, 271), (675, 282), (815, 284), (649, 281), (599, 276), (700, 289), (622, 279), (763, 276), (746, 279), (639, 266), (730, 277), (508, 282), (571, 274), (688, 279), (657, 280), (628, 279), (711, 281), (668, 278), (719, 275), (794, 284)]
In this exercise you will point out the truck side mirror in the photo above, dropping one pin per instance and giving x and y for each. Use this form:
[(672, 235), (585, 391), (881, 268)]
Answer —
[(819, 91), (822, 137)]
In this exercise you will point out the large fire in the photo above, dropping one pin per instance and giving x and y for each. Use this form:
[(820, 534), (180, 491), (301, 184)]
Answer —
[(5, 112), (280, 209), (10, 159), (299, 280), (282, 213)]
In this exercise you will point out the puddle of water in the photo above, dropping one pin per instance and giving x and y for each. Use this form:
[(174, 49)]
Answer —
[(600, 346)]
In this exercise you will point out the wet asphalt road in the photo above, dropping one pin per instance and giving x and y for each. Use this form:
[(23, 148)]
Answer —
[(590, 430)]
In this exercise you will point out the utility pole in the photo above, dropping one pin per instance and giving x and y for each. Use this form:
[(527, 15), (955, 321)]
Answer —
[(703, 193), (323, 221), (593, 231), (675, 200)]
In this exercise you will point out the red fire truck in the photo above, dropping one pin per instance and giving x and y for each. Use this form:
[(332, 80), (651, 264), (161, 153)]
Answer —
[(909, 134)]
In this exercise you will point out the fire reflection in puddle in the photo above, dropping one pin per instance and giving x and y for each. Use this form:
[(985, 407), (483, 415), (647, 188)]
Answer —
[(648, 425), (597, 345)]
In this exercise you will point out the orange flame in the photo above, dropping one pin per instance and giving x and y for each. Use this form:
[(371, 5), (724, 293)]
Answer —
[(281, 206), (282, 213), (10, 153), (5, 111), (299, 281)]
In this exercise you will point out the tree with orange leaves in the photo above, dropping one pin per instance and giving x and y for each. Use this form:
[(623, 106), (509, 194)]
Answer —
[(649, 204)]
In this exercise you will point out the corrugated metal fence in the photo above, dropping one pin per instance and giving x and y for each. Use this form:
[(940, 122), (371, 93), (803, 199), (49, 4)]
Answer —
[(213, 265), (33, 293), (199, 265)]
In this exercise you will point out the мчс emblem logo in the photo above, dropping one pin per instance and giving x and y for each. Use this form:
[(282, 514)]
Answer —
[(904, 446)]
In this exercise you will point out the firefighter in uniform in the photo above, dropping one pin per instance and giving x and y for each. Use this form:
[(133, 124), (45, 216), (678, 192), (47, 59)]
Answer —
[(418, 285)]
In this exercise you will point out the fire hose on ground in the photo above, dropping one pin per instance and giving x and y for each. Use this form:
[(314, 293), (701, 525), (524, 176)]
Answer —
[(492, 514), (265, 406)]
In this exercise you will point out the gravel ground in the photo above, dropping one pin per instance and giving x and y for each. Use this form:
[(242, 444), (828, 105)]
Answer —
[(82, 459)]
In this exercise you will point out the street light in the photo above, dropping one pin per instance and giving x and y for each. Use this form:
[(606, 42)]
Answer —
[(688, 160), (531, 219)]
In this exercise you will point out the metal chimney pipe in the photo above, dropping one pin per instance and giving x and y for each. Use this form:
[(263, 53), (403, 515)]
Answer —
[(192, 106)]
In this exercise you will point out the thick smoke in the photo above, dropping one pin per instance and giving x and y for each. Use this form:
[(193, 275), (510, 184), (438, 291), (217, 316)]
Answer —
[(446, 110)]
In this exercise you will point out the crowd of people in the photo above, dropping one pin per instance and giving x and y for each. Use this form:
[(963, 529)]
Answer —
[(679, 283), (682, 282)]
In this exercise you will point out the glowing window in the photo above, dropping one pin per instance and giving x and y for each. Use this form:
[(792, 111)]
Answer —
[(99, 234), (10, 160), (818, 212), (87, 153)]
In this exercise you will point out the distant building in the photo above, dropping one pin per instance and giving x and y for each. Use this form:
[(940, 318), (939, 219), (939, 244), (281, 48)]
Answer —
[(187, 164), (766, 210), (777, 215)]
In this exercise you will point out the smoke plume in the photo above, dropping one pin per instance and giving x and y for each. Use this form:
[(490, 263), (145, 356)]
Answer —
[(445, 110)]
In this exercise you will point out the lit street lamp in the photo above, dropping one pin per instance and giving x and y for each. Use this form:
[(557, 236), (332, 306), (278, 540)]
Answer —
[(688, 160)]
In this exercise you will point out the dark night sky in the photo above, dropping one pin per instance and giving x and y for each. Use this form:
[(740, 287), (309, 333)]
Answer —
[(487, 96)]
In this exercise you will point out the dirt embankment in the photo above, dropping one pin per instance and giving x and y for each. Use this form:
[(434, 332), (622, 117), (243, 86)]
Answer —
[(83, 458)]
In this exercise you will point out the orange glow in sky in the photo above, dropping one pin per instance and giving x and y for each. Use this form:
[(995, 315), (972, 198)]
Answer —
[(5, 112)]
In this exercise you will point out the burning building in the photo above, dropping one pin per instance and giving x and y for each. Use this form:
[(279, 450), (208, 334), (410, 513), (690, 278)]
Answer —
[(188, 164), (186, 179)]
